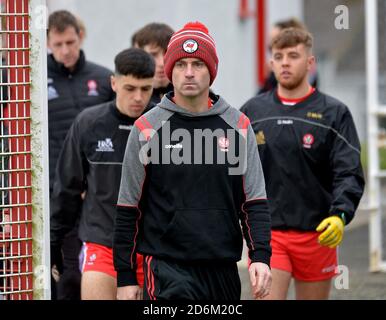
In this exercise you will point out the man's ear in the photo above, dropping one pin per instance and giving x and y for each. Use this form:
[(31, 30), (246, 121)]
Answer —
[(271, 63), (311, 62), (81, 36), (48, 40), (113, 82)]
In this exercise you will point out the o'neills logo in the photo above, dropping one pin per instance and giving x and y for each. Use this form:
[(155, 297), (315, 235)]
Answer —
[(190, 46), (308, 140), (173, 146)]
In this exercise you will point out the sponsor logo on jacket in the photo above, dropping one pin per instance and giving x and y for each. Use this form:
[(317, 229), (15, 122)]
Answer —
[(173, 146), (284, 121), (125, 127), (105, 146), (314, 115), (260, 138), (52, 93)]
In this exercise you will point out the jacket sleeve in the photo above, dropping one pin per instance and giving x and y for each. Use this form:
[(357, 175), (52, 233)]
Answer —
[(66, 202), (255, 216), (348, 180), (128, 215)]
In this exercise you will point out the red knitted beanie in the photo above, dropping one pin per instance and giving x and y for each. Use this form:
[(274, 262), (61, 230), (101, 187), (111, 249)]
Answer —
[(192, 41)]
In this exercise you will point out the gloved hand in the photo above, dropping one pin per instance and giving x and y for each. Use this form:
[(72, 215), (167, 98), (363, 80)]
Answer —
[(333, 231), (57, 258)]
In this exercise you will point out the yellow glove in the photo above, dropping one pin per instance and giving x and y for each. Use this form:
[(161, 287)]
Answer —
[(333, 231)]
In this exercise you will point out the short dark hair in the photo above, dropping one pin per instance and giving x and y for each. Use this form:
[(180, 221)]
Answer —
[(291, 37), (135, 62), (62, 19), (153, 33)]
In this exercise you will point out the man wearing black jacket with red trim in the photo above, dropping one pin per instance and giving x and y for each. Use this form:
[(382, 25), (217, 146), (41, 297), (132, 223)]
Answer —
[(92, 155), (310, 154), (191, 172)]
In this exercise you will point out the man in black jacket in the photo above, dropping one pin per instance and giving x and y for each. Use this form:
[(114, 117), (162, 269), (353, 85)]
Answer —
[(73, 85), (310, 154), (92, 155), (191, 172)]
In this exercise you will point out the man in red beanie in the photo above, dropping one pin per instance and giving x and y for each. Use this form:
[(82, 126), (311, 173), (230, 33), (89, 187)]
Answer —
[(191, 172)]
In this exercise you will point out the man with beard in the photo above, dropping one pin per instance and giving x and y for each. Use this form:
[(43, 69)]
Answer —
[(310, 154), (270, 83)]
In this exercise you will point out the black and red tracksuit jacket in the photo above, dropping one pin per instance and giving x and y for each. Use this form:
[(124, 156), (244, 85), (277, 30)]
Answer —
[(176, 202), (310, 154)]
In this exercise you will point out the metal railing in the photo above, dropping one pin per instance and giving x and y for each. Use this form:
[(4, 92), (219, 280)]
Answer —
[(24, 243)]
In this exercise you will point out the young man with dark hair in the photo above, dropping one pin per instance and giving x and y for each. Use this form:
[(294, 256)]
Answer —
[(92, 155), (73, 85), (191, 172), (310, 153), (154, 39)]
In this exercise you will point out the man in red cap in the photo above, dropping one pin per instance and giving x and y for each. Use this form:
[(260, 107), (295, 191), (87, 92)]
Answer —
[(191, 172)]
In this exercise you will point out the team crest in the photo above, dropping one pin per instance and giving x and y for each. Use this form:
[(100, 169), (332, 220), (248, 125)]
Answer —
[(190, 46), (223, 143), (92, 88), (308, 140)]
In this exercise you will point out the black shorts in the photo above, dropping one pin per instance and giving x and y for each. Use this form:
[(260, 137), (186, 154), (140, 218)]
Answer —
[(176, 280)]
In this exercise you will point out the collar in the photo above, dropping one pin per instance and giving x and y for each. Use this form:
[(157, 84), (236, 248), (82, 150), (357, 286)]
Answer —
[(59, 67), (292, 102), (115, 111), (212, 99)]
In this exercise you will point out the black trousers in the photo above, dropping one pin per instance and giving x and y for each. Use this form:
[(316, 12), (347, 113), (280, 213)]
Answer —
[(176, 280)]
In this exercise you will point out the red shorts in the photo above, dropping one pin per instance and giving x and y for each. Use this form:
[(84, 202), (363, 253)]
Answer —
[(100, 258), (300, 253)]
